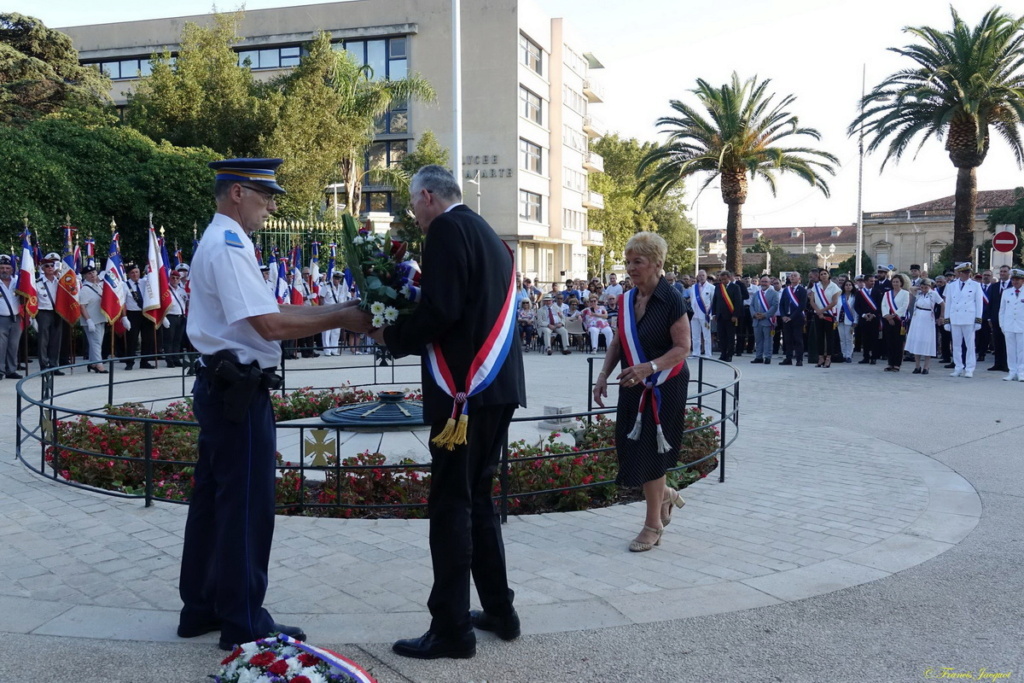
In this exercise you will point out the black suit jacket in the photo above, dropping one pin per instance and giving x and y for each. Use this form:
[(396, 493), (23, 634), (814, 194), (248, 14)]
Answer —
[(787, 309), (994, 294), (719, 306), (466, 274)]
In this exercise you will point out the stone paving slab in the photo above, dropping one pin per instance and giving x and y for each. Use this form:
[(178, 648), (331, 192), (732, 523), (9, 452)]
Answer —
[(798, 516)]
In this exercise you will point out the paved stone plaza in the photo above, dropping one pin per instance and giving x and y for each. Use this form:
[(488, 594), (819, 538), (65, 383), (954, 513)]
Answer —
[(868, 529)]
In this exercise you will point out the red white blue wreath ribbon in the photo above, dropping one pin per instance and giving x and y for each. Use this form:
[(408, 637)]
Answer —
[(333, 659), (629, 339), (483, 370)]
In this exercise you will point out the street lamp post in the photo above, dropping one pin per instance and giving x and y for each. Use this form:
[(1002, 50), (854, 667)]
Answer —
[(817, 253)]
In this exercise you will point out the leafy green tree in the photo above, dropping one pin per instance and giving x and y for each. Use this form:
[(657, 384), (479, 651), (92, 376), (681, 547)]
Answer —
[(42, 166), (668, 219), (203, 98), (623, 213), (965, 83), (740, 132), (40, 73), (850, 265), (428, 151)]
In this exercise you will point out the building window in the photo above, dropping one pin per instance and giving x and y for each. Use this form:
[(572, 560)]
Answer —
[(574, 61), (386, 153), (835, 232), (377, 202), (882, 257), (122, 69), (531, 106), (574, 100), (574, 180), (529, 156), (576, 139), (529, 206), (387, 57), (574, 220), (530, 54), (271, 58)]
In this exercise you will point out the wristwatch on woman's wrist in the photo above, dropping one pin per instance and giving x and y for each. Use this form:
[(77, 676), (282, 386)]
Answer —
[(654, 367)]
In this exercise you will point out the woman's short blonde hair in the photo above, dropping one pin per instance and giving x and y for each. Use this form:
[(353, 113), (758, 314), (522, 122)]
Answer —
[(650, 245)]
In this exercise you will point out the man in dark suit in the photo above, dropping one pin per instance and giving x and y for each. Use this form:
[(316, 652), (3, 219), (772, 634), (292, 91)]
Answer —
[(727, 304), (467, 274), (882, 285), (792, 304), (995, 293), (868, 319)]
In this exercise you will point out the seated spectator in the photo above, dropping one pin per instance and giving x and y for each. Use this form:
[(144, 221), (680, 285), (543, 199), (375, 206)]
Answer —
[(595, 319), (527, 319), (552, 321)]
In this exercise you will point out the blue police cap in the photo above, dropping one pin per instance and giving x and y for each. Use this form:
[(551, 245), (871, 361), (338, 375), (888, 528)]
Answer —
[(261, 172)]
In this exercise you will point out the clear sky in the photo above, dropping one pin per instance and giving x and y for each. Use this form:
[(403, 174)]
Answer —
[(814, 49)]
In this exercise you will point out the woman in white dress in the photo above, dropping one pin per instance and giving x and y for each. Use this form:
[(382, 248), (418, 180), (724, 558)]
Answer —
[(847, 319), (921, 337), (894, 310)]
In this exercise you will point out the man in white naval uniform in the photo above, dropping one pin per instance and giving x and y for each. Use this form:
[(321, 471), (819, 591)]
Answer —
[(963, 318), (700, 324), (1011, 321), (333, 292)]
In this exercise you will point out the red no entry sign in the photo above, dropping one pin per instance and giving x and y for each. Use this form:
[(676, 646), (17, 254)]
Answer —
[(1005, 241)]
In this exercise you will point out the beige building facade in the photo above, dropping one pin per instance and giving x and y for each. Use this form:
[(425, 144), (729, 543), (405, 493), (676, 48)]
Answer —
[(529, 92)]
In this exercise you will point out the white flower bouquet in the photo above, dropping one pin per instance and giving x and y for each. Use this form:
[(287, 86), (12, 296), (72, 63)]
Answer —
[(388, 283), (282, 659)]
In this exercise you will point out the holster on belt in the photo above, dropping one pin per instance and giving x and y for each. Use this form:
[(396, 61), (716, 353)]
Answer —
[(238, 383)]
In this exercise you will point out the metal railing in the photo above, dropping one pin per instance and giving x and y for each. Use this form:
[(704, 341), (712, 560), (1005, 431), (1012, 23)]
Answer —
[(718, 401)]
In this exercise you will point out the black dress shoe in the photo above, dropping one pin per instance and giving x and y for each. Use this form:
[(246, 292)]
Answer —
[(294, 631), (199, 629), (506, 628), (994, 368), (873, 361), (786, 362), (758, 361), (950, 365), (431, 646), (12, 375), (864, 362), (147, 366), (58, 372), (767, 361)]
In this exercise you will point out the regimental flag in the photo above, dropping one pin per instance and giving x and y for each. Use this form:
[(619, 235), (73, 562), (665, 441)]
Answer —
[(26, 286), (178, 257), (296, 296), (67, 305), (112, 298), (259, 254), (281, 290), (156, 295)]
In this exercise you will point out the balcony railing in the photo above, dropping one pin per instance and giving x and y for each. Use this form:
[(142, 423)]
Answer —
[(593, 200), (593, 89), (593, 162), (594, 127), (593, 238)]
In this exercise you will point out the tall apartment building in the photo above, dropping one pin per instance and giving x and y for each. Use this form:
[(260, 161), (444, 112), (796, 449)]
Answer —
[(527, 100)]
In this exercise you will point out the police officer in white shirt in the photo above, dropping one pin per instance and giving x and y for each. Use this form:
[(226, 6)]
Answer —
[(237, 325), (963, 318), (173, 330), (10, 324)]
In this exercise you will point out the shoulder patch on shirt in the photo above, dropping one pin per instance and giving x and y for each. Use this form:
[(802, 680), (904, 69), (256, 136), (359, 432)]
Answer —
[(232, 239)]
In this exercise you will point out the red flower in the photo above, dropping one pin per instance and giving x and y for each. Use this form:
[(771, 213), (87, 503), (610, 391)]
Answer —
[(263, 659), (300, 679), (233, 656), (307, 659), (279, 667)]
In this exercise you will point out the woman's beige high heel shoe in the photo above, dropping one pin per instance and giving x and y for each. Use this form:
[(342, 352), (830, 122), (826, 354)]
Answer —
[(638, 546), (666, 507)]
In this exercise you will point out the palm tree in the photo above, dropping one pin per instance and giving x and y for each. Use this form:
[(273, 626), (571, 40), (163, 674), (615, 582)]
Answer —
[(737, 134), (966, 81)]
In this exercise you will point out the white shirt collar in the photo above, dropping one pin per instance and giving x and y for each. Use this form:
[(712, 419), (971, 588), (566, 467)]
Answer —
[(453, 206)]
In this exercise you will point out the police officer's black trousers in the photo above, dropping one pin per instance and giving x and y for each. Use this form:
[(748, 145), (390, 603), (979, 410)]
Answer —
[(465, 531), (230, 517)]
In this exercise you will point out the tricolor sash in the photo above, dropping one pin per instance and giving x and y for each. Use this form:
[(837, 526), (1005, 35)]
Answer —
[(792, 297), (984, 297), (764, 304), (483, 370), (819, 291), (629, 338), (728, 301), (867, 297), (892, 310), (699, 296)]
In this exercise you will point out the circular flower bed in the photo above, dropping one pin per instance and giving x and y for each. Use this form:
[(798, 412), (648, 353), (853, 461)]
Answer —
[(543, 477)]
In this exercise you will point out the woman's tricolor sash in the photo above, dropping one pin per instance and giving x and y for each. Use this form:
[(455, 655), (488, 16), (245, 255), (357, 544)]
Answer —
[(629, 338), (483, 370), (825, 307), (847, 310)]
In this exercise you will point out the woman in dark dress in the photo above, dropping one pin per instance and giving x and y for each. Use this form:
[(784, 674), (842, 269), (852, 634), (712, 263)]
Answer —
[(652, 343)]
